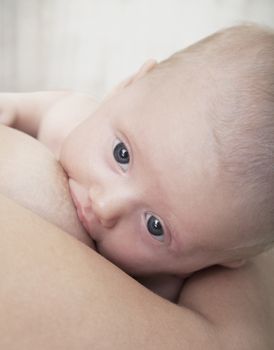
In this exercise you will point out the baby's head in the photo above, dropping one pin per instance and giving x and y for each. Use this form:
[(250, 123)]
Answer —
[(175, 171)]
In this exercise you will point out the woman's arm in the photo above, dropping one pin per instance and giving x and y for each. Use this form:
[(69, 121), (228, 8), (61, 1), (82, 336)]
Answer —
[(56, 293)]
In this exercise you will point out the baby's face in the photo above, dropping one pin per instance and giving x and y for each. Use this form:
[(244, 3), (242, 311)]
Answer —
[(144, 178)]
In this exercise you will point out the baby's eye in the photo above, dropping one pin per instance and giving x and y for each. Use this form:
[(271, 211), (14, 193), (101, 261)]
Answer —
[(121, 155), (155, 228)]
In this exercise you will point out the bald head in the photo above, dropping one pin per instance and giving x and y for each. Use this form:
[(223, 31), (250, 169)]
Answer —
[(230, 76)]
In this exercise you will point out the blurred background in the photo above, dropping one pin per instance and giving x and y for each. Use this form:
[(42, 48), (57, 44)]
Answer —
[(90, 45)]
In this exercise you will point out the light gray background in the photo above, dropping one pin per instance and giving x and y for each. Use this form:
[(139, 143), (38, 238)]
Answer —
[(89, 45)]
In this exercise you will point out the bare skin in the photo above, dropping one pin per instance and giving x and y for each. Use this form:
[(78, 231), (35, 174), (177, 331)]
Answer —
[(59, 109), (151, 170), (57, 293), (23, 178), (50, 117), (53, 295)]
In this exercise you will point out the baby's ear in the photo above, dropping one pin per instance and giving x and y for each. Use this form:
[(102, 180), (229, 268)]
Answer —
[(142, 71), (234, 264)]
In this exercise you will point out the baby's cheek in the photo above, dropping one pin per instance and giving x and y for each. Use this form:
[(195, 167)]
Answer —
[(62, 159), (68, 156)]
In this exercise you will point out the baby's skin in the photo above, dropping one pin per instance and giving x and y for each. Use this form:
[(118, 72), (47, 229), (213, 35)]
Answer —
[(145, 166), (145, 182), (62, 107), (92, 156)]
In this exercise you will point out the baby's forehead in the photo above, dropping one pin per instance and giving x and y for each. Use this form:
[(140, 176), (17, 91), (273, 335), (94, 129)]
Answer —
[(169, 139), (166, 118)]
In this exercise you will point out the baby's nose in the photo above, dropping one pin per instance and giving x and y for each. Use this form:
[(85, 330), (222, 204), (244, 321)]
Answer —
[(109, 207)]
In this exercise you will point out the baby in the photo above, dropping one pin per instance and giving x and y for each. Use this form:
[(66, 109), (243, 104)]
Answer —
[(174, 171)]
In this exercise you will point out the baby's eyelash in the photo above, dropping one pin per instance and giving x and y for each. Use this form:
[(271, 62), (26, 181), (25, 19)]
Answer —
[(121, 154), (155, 227)]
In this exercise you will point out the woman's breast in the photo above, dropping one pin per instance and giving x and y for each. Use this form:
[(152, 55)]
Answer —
[(30, 175)]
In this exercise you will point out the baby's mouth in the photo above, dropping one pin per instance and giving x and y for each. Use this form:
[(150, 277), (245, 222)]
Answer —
[(79, 211)]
